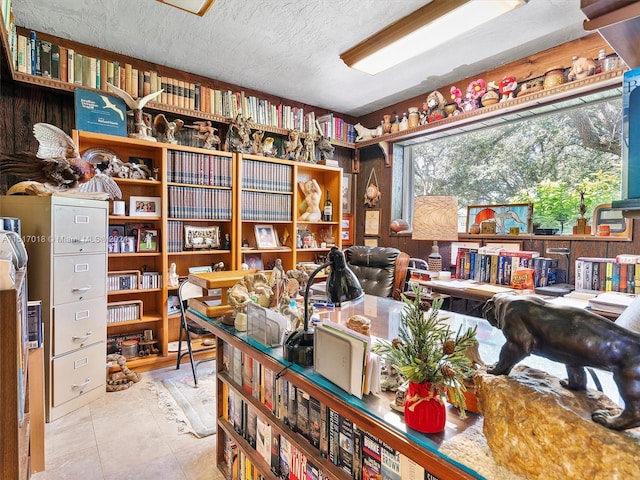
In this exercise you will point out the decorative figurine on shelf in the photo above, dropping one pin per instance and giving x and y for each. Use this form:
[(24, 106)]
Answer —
[(310, 206), (325, 148), (404, 123), (136, 105), (573, 336), (581, 227), (57, 167), (167, 130), (226, 243), (581, 68), (268, 150), (508, 86), (238, 137), (491, 97), (293, 146), (308, 152), (174, 279), (434, 106), (365, 133), (256, 145), (475, 90), (206, 133)]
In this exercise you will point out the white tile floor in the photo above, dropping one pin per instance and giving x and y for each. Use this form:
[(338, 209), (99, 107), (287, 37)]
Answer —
[(126, 436)]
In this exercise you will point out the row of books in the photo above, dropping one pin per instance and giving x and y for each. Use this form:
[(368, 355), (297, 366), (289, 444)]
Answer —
[(199, 169), (205, 203), (266, 207), (34, 56), (335, 127), (122, 281), (124, 312), (267, 176), (499, 266), (149, 280), (619, 274), (358, 453), (5, 11)]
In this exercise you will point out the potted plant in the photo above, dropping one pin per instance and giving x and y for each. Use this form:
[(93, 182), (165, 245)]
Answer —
[(432, 360)]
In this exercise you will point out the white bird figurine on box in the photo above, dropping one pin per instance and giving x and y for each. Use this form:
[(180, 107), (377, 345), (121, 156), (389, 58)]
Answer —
[(142, 130)]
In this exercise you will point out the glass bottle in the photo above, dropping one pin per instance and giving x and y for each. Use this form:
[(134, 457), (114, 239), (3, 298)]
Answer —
[(327, 213)]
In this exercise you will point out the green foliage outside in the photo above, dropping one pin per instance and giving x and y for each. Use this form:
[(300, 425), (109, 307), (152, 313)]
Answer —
[(547, 160)]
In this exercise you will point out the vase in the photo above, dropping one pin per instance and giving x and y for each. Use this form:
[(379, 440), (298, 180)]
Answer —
[(395, 126), (422, 411), (414, 117), (386, 125)]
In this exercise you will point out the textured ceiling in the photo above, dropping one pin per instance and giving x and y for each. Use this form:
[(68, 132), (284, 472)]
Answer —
[(291, 48)]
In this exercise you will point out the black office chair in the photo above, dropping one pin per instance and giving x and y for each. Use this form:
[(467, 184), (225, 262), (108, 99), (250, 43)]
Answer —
[(186, 291)]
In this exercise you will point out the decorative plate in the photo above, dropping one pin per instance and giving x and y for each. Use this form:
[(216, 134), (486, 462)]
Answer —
[(98, 155)]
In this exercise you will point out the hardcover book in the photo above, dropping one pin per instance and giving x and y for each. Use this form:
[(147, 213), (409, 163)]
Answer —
[(251, 430), (315, 422), (371, 456), (275, 453), (263, 440), (302, 419), (345, 450), (410, 470), (99, 112), (390, 463), (285, 458)]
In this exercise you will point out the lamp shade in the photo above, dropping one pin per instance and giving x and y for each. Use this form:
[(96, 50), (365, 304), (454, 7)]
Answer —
[(342, 284), (435, 218)]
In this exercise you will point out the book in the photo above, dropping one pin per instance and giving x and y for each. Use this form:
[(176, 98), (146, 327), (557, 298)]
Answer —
[(275, 453), (285, 458), (247, 373), (390, 461), (410, 470), (302, 418), (315, 421), (345, 449), (371, 456), (55, 61), (35, 324), (252, 426), (45, 59), (334, 435), (263, 440)]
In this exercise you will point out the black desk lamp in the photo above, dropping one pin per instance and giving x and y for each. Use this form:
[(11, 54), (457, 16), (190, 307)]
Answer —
[(342, 286)]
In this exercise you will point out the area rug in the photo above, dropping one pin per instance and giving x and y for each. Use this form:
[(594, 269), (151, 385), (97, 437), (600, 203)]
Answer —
[(193, 408)]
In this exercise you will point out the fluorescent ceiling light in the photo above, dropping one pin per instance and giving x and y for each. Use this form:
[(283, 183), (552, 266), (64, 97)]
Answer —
[(423, 30), (197, 7)]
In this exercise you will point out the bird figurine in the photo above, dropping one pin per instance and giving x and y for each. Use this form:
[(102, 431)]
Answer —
[(57, 168), (268, 150), (142, 130), (167, 130), (207, 133)]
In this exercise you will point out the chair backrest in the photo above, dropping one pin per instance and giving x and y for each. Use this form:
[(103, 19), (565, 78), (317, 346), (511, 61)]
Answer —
[(187, 290), (382, 271)]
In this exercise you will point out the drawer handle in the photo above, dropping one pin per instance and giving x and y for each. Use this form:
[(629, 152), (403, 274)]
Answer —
[(81, 289), (83, 337), (80, 240), (81, 385)]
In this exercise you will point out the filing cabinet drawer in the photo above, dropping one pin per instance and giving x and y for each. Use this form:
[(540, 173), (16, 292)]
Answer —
[(79, 277), (79, 229), (78, 324), (78, 372)]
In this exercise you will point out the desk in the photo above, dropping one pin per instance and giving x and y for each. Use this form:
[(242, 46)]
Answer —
[(372, 413)]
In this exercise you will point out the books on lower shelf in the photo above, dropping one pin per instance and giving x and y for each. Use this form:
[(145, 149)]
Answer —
[(612, 302)]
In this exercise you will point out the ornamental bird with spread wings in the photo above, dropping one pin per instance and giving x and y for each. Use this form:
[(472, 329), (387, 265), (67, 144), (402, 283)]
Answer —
[(57, 165)]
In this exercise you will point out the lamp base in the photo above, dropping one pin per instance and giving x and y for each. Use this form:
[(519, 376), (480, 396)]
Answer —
[(434, 264), (298, 348)]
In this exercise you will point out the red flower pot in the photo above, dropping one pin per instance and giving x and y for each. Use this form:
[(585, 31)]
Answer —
[(423, 412)]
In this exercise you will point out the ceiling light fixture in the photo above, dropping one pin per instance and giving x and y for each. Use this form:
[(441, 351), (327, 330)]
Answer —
[(197, 7), (421, 31)]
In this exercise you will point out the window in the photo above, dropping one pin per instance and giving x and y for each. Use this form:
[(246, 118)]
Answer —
[(546, 156)]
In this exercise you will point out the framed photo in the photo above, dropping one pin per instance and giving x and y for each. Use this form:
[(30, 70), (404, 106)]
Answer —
[(201, 237), (266, 236), (128, 244), (505, 215), (144, 207), (116, 234), (372, 222), (347, 192), (148, 240), (254, 261), (371, 242), (201, 269), (173, 304), (618, 226), (347, 229)]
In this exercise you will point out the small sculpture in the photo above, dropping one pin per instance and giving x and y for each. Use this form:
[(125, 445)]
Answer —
[(325, 148), (238, 137), (173, 275), (57, 167), (573, 336), (508, 86), (256, 145), (434, 106), (365, 133), (293, 146), (310, 206), (581, 68), (491, 96), (206, 133), (308, 152), (167, 130), (136, 105), (475, 90), (268, 150)]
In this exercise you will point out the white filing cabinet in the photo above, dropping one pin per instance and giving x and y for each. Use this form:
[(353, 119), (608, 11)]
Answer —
[(66, 242)]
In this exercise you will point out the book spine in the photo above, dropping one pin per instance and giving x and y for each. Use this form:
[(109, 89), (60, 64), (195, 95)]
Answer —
[(55, 61)]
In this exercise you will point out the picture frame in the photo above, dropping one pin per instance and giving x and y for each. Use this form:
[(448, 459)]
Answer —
[(371, 242), (619, 226), (266, 236), (506, 215), (254, 261), (144, 207), (347, 192), (372, 222), (148, 240), (114, 237), (198, 237), (346, 229), (173, 304), (128, 244)]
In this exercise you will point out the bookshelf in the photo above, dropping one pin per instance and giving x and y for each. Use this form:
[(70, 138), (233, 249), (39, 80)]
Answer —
[(246, 369), (217, 197)]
